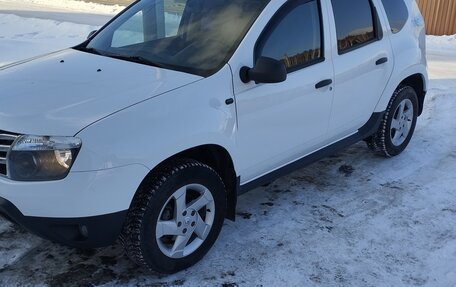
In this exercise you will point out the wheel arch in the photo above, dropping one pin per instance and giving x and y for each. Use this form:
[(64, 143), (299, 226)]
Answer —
[(415, 76), (219, 159), (417, 82)]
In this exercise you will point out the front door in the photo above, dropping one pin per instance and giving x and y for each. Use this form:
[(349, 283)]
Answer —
[(278, 123)]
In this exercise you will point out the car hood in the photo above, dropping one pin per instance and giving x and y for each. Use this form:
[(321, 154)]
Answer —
[(63, 92)]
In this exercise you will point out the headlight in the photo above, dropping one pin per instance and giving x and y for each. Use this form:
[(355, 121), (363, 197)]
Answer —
[(36, 158)]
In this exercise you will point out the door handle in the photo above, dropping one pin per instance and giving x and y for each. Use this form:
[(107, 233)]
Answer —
[(323, 83), (381, 61)]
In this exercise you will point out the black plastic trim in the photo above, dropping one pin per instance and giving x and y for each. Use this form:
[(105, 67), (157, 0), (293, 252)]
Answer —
[(232, 201), (83, 232), (365, 131), (323, 84), (377, 24), (381, 61)]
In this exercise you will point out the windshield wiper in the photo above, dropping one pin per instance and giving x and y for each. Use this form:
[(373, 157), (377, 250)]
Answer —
[(136, 59), (90, 50)]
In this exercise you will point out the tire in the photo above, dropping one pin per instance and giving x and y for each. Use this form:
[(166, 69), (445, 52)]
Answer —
[(175, 217), (398, 124)]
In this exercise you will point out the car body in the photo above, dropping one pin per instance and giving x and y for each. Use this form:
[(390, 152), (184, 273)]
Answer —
[(246, 113)]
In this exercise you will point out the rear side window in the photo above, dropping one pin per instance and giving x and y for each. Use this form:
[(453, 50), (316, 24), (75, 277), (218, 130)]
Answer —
[(397, 13), (354, 23), (293, 36)]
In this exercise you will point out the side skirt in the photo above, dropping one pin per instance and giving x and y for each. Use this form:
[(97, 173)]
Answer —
[(367, 130)]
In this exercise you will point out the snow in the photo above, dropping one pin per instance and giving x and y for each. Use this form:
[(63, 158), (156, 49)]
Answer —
[(22, 38), (59, 5), (353, 219), (442, 43), (442, 54), (34, 27)]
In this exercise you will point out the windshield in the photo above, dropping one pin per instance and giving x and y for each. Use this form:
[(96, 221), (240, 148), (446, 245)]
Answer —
[(194, 36)]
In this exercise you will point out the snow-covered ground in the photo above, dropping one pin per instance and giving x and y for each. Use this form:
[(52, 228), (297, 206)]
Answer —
[(60, 6), (33, 27), (353, 219)]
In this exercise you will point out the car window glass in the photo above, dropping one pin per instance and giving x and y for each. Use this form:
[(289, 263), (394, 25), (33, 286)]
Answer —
[(131, 32), (397, 13), (293, 36), (193, 36), (173, 16), (354, 23), (147, 24)]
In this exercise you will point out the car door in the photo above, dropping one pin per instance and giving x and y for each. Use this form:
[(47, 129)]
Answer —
[(278, 123), (363, 63)]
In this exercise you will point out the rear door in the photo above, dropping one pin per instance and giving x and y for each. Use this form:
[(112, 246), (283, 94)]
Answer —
[(363, 63)]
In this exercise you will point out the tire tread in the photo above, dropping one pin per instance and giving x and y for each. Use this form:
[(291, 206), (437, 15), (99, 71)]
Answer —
[(131, 234), (377, 142)]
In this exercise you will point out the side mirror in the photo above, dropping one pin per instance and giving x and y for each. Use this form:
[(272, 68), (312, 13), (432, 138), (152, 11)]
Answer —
[(266, 70), (91, 34)]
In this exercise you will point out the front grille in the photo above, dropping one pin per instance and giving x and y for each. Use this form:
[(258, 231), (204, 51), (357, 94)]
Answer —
[(6, 140)]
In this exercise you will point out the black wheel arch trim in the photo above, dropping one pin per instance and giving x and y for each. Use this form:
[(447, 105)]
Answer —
[(418, 83)]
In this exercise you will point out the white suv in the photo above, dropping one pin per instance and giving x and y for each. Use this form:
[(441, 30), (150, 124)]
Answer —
[(150, 129)]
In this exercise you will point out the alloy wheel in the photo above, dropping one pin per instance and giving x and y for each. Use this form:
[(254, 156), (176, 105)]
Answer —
[(401, 123), (185, 221)]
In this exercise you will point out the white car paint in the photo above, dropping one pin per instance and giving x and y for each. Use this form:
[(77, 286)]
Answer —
[(46, 96), (190, 116), (359, 82), (80, 194), (131, 117), (408, 59), (265, 109)]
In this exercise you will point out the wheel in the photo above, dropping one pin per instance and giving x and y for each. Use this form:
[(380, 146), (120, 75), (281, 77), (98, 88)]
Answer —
[(175, 217), (398, 124)]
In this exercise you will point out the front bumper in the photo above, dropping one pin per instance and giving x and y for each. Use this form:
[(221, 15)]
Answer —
[(85, 232), (86, 209)]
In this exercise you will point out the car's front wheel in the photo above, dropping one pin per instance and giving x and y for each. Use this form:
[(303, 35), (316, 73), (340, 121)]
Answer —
[(176, 217)]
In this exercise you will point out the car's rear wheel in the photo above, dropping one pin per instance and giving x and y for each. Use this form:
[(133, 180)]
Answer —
[(176, 217), (398, 124)]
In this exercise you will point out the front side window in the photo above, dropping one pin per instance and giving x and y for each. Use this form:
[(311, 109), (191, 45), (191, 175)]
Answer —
[(354, 23), (293, 36), (397, 13), (195, 36)]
